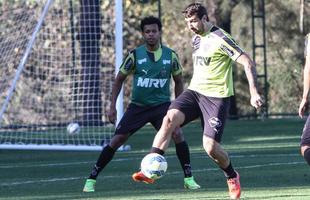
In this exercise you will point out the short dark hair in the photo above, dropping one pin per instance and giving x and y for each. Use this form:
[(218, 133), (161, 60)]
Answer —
[(150, 20), (195, 9)]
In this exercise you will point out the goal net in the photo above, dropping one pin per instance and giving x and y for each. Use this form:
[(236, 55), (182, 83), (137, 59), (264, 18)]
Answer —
[(55, 73)]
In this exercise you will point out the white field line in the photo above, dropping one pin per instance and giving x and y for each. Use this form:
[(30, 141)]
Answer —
[(117, 176), (23, 165)]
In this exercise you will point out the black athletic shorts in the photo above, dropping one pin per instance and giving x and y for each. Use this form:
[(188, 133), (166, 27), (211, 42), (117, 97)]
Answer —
[(136, 117), (305, 137), (211, 111)]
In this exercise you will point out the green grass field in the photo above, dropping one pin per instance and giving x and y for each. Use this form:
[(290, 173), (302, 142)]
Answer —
[(266, 154)]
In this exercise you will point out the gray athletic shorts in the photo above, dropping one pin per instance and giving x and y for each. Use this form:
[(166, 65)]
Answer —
[(211, 111), (305, 137), (136, 117)]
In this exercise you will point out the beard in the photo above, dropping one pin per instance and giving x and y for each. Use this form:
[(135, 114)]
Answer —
[(199, 30), (194, 30)]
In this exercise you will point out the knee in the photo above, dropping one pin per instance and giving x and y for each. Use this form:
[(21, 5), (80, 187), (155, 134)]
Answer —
[(210, 148), (177, 135), (210, 151), (168, 122), (303, 149), (174, 118)]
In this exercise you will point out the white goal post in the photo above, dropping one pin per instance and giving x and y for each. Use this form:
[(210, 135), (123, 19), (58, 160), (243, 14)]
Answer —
[(57, 66)]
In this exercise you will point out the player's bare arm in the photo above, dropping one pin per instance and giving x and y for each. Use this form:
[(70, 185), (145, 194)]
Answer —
[(117, 86), (304, 101), (250, 71), (179, 86)]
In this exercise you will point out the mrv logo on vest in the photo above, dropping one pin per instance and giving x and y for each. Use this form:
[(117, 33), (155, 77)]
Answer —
[(151, 82)]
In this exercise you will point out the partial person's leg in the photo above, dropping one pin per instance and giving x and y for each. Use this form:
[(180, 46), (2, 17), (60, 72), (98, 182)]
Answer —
[(107, 153), (219, 156), (214, 112), (126, 127), (305, 141), (157, 118), (182, 110), (139, 176), (175, 117), (105, 157), (171, 121), (305, 152), (182, 151), (162, 140)]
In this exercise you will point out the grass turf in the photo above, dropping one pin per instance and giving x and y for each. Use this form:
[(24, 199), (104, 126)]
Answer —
[(266, 154)]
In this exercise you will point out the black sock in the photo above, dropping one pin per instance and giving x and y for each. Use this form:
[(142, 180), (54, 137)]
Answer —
[(182, 151), (157, 150), (105, 157), (307, 155), (230, 172)]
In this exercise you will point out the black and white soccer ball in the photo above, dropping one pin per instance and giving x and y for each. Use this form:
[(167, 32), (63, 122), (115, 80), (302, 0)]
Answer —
[(73, 128), (154, 165)]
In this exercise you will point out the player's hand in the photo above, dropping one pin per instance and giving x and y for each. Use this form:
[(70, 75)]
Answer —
[(112, 114), (302, 107), (256, 101)]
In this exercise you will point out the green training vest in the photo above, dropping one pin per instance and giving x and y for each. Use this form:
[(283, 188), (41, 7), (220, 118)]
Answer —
[(151, 80)]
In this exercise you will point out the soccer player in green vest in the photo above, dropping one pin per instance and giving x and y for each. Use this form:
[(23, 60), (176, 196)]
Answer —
[(152, 66), (305, 138), (210, 89)]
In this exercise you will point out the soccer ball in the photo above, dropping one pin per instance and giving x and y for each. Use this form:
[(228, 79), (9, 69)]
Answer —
[(73, 128), (154, 165)]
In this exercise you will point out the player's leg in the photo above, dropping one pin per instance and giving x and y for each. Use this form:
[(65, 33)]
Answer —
[(216, 152), (160, 144), (305, 141), (105, 157), (305, 152), (173, 119), (182, 110), (156, 118), (220, 157), (132, 120), (182, 149), (214, 112), (156, 114), (108, 152)]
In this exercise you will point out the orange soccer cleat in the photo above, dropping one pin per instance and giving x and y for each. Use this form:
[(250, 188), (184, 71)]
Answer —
[(234, 187), (140, 177)]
